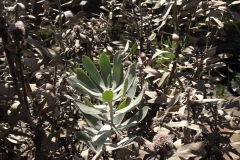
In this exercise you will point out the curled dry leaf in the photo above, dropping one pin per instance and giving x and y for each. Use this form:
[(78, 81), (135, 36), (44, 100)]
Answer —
[(31, 63), (71, 17), (47, 99), (48, 86), (7, 90), (4, 131), (175, 36), (124, 153), (49, 53), (190, 150), (13, 115)]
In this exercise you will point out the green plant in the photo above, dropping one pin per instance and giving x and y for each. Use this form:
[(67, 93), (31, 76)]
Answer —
[(45, 33), (167, 55), (221, 91), (237, 80), (114, 92), (115, 30), (164, 61)]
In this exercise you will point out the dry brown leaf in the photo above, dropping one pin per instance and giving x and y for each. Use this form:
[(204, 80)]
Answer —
[(84, 154), (175, 36), (152, 36), (220, 24), (71, 17), (31, 63), (51, 143), (123, 153), (28, 52), (191, 4), (190, 150), (163, 78), (13, 116), (48, 86), (182, 123), (151, 72), (7, 90), (4, 131)]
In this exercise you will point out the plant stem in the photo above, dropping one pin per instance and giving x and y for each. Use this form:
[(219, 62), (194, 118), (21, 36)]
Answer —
[(1, 7), (14, 77), (177, 133), (19, 61), (12, 69), (111, 115), (177, 48)]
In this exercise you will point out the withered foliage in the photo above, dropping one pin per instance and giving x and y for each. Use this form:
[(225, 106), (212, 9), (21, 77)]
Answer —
[(172, 42)]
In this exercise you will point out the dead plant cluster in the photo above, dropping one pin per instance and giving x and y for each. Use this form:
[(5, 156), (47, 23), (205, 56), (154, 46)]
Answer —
[(73, 87)]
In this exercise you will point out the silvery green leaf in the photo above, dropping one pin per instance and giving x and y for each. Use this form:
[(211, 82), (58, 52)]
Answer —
[(130, 76), (105, 68), (91, 131), (117, 120), (93, 72), (132, 90), (81, 135), (93, 120), (75, 157), (87, 81), (102, 135), (126, 47), (117, 71), (132, 105), (134, 120), (82, 88), (86, 109), (87, 102), (123, 143)]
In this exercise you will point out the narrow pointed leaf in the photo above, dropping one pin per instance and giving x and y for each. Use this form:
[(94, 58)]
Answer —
[(102, 135), (89, 103), (86, 81), (92, 131), (132, 90), (123, 143), (81, 135), (81, 88), (117, 71), (92, 71), (132, 105), (105, 68), (86, 138), (130, 77), (139, 116), (125, 86), (93, 121), (117, 120), (122, 104), (86, 109)]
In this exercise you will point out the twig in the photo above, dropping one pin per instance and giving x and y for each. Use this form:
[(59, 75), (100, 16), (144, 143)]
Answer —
[(176, 132), (21, 73), (12, 68), (7, 98), (178, 48)]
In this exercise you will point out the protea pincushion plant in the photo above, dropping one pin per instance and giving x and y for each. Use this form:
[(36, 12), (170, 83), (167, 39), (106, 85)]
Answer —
[(115, 89), (162, 142)]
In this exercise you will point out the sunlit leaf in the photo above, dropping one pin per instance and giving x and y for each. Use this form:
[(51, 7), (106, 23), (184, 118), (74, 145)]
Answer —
[(134, 119), (105, 68), (102, 135)]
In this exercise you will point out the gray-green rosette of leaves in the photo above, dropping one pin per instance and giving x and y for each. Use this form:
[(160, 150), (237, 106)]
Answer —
[(115, 89)]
